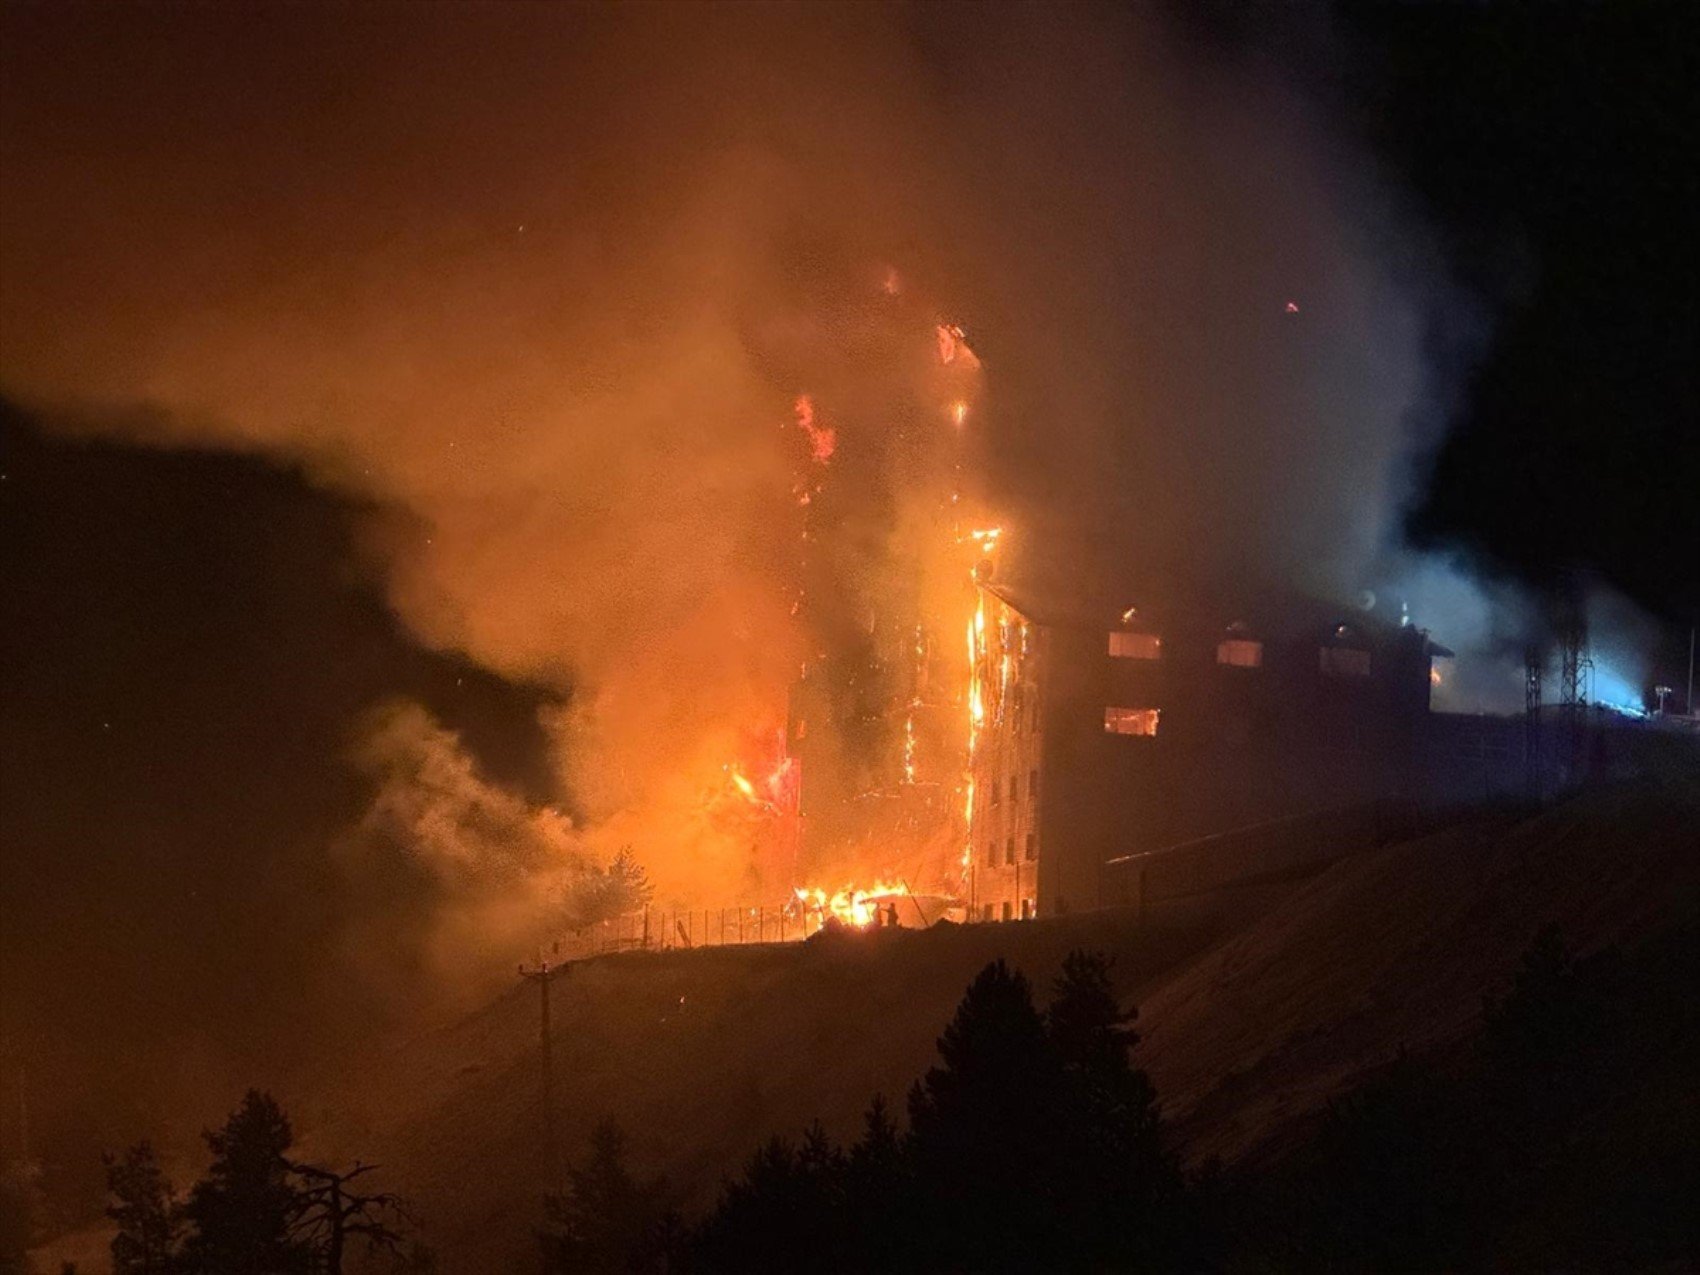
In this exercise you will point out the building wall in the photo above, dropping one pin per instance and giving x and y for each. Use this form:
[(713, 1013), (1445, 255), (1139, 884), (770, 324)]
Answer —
[(1005, 831), (1302, 731)]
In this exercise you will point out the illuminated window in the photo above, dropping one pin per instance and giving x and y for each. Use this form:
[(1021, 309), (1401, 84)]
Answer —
[(1240, 653), (1344, 661), (1131, 721), (1135, 646), (1032, 846), (1027, 909)]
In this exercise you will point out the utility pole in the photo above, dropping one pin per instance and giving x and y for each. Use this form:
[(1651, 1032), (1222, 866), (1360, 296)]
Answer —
[(543, 975), (1534, 662), (1692, 712), (23, 1118)]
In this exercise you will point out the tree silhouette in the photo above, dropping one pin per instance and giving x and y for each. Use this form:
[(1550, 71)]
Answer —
[(984, 1131), (329, 1214), (601, 894), (146, 1212), (245, 1209), (1123, 1188), (607, 1222)]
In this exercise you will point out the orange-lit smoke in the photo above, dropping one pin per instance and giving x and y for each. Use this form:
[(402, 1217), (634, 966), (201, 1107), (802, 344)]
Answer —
[(556, 284)]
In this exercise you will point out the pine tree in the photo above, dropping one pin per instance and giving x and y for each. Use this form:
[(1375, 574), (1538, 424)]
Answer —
[(606, 1221), (243, 1211), (985, 1131), (629, 887), (1123, 1187), (146, 1212)]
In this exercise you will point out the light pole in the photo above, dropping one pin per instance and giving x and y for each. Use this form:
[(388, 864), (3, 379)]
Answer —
[(543, 975)]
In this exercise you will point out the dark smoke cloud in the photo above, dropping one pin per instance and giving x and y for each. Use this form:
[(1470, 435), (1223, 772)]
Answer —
[(192, 887), (528, 272)]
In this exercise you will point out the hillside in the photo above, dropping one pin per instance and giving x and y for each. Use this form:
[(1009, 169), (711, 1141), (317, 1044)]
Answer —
[(1258, 1004)]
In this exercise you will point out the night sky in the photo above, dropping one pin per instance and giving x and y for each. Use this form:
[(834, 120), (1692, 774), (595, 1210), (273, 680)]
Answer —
[(286, 298)]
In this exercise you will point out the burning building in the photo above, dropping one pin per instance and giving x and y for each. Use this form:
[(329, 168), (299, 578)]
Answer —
[(952, 735)]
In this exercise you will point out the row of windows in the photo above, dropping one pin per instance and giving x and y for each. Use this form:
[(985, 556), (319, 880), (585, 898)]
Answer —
[(1022, 708), (1239, 652), (996, 795), (1005, 911), (992, 857)]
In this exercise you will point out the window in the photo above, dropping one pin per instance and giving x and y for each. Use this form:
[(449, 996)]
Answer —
[(991, 854), (1032, 846), (1014, 789), (1135, 646), (1240, 653), (1344, 661), (1009, 850), (1027, 909), (1131, 721), (1008, 911), (1033, 786)]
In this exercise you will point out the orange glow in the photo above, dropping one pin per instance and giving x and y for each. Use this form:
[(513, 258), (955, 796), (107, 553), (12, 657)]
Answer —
[(823, 440), (852, 905)]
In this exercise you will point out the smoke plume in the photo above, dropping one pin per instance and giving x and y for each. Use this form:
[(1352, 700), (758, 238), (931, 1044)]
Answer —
[(552, 280)]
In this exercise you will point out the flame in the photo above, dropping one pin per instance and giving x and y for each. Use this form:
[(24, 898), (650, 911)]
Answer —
[(959, 412), (823, 440), (852, 905)]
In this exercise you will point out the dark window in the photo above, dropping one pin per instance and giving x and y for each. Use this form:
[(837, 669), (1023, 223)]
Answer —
[(1008, 911), (1009, 850), (1344, 661), (1014, 789)]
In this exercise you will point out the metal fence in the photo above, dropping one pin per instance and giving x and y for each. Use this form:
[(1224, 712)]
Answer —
[(663, 929)]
